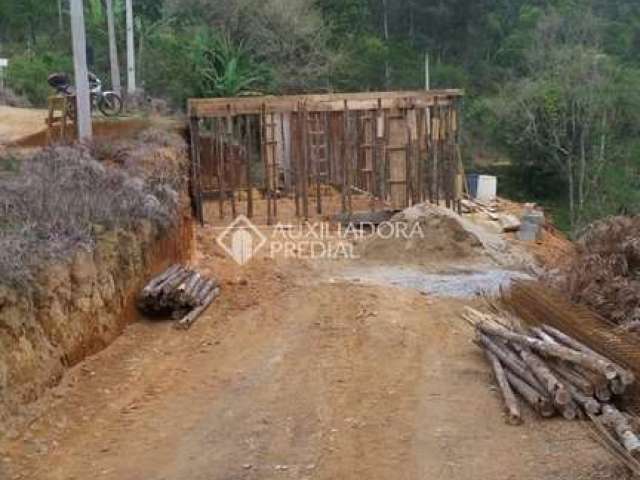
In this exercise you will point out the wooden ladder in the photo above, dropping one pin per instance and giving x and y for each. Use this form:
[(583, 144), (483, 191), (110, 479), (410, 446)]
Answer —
[(318, 149)]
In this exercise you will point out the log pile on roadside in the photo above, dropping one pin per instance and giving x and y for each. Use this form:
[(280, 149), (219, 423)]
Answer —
[(554, 374), (178, 292)]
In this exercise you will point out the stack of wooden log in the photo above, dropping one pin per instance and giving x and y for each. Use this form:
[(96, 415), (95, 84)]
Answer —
[(554, 373), (179, 292)]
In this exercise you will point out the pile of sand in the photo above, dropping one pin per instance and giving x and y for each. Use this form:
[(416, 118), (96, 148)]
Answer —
[(433, 234)]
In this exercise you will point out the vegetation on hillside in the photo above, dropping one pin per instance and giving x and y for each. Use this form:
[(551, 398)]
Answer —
[(553, 85), (60, 199)]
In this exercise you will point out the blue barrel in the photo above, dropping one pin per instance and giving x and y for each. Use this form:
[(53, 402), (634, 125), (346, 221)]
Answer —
[(472, 182)]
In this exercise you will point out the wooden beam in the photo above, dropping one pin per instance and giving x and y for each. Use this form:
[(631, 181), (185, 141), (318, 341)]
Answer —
[(320, 103)]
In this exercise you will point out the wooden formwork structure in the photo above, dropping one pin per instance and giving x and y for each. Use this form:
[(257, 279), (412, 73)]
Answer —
[(398, 147)]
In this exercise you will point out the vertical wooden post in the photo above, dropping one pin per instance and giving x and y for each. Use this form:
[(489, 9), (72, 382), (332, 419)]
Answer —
[(344, 160), (233, 161), (380, 148), (419, 196), (275, 173), (221, 179), (196, 187), (328, 147), (265, 160), (83, 100), (436, 152), (305, 162), (249, 132), (374, 159), (295, 157), (316, 157), (350, 146), (408, 160)]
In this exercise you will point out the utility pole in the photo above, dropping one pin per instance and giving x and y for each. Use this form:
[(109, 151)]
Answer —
[(60, 19), (83, 101), (131, 57), (385, 20), (113, 50), (427, 72)]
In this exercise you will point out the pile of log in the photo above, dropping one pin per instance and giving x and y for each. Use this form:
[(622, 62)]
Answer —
[(178, 292), (554, 374)]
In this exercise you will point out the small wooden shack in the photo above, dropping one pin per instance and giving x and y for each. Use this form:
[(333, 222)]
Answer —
[(399, 147)]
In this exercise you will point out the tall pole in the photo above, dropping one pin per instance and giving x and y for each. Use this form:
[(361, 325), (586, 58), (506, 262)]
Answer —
[(131, 57), (385, 20), (83, 101), (427, 72), (113, 50), (60, 20)]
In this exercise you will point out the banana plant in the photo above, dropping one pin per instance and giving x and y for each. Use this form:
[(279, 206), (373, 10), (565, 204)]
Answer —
[(223, 66)]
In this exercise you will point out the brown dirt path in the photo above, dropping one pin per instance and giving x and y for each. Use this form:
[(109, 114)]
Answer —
[(291, 377), (16, 123)]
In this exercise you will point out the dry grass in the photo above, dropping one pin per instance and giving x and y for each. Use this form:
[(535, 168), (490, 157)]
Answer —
[(606, 274), (59, 198)]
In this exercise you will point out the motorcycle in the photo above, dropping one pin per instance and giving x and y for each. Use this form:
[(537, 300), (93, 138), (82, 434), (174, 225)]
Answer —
[(108, 102)]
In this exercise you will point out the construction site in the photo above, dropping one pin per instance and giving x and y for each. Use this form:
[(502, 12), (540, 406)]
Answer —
[(309, 287)]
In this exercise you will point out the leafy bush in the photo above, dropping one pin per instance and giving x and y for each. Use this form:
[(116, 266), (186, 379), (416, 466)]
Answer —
[(27, 74)]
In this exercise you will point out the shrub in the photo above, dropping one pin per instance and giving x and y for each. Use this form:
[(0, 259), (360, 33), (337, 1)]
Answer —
[(59, 198), (27, 74)]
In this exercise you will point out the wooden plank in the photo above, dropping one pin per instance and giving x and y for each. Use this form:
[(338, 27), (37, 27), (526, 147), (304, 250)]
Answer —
[(249, 133), (320, 103), (304, 170), (397, 157), (195, 171)]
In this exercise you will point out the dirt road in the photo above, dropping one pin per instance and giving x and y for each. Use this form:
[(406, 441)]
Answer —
[(19, 122), (293, 376)]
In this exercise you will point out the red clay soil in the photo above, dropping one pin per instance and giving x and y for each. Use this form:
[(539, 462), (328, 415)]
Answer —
[(101, 129)]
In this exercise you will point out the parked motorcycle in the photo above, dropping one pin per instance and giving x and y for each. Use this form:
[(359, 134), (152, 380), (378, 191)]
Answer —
[(108, 102)]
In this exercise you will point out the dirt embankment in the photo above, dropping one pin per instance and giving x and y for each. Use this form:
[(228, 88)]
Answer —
[(79, 305)]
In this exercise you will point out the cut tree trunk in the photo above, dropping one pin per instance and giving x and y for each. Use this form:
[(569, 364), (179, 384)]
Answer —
[(614, 419), (511, 361), (537, 401), (627, 377), (570, 377), (511, 403), (570, 411), (558, 392), (590, 404), (191, 318), (160, 278), (597, 364)]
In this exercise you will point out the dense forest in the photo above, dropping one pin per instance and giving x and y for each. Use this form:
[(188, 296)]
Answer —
[(553, 86)]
